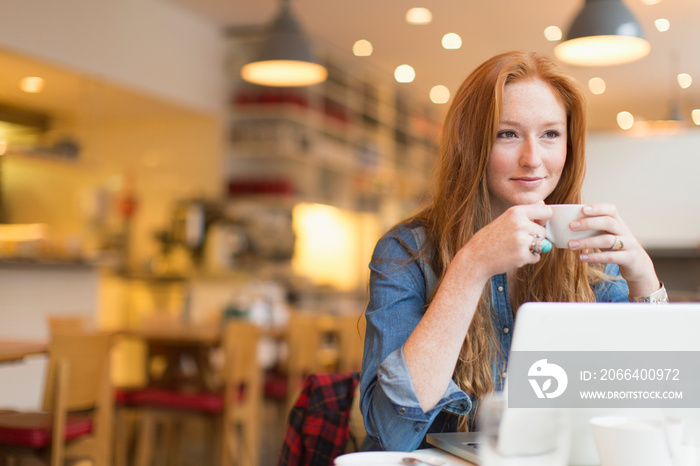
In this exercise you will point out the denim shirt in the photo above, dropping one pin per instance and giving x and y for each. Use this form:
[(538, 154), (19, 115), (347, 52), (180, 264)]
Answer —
[(399, 289)]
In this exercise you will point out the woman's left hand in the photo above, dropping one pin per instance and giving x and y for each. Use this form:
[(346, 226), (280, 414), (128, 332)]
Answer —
[(616, 245)]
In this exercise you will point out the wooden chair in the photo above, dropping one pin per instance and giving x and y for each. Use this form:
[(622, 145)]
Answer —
[(303, 344), (235, 410), (303, 337), (77, 421), (70, 323), (351, 336)]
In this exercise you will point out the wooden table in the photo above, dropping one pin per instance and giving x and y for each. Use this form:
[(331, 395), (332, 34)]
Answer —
[(175, 344), (17, 350)]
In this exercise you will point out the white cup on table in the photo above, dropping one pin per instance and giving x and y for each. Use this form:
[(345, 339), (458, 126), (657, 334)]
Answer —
[(629, 441)]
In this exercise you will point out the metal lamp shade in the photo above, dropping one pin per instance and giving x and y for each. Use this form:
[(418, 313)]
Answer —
[(603, 33), (285, 58)]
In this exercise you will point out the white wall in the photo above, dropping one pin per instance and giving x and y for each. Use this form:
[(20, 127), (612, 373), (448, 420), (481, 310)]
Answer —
[(147, 45), (653, 180), (29, 294)]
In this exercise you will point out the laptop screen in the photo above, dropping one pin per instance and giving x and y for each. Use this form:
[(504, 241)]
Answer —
[(566, 329)]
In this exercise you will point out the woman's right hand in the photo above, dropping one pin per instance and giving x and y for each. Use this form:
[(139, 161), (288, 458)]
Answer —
[(504, 244)]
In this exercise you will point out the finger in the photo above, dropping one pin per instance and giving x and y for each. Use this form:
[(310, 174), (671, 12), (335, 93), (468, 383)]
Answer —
[(602, 242), (598, 209), (528, 218), (538, 213), (602, 223)]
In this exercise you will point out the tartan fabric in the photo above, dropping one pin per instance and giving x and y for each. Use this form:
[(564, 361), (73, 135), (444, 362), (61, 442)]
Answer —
[(318, 426)]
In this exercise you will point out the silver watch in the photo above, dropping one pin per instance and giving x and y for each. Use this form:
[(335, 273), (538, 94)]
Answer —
[(657, 297)]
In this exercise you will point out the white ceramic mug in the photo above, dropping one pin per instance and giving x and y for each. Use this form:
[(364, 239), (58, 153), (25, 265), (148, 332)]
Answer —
[(629, 441), (558, 231)]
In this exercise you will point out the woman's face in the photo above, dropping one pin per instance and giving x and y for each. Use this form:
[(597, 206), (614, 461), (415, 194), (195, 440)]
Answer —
[(529, 152)]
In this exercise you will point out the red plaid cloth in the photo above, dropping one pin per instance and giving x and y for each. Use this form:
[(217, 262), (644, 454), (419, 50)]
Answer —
[(318, 427)]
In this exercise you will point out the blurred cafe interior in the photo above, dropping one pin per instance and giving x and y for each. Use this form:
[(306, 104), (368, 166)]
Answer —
[(149, 192)]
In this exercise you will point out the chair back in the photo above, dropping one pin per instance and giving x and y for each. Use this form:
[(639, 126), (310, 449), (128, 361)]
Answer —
[(68, 323), (303, 345), (78, 379), (85, 356), (351, 336), (242, 367)]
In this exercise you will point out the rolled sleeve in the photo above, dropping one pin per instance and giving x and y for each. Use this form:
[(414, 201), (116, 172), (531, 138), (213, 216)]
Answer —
[(397, 420)]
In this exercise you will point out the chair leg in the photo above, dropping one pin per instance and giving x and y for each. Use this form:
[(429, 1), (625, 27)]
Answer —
[(169, 435), (123, 432), (250, 431), (146, 436)]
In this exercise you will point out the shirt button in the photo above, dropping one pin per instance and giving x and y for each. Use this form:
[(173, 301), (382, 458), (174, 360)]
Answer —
[(503, 376), (500, 288), (506, 330), (402, 410)]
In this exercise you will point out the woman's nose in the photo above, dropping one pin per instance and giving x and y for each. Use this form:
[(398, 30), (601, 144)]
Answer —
[(529, 154)]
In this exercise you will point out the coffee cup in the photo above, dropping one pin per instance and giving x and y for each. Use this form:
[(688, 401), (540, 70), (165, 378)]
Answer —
[(558, 230), (628, 441)]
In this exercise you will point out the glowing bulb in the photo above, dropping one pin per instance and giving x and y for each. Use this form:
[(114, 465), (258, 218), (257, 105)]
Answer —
[(684, 80), (451, 41), (662, 24), (419, 16), (32, 84), (362, 48), (625, 120), (404, 74), (552, 33), (439, 94), (602, 50), (596, 85), (695, 114)]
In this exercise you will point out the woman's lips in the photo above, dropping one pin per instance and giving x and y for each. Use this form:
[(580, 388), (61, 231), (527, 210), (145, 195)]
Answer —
[(528, 181)]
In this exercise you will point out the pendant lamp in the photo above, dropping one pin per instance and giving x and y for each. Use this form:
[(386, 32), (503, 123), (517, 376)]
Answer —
[(603, 33), (285, 57)]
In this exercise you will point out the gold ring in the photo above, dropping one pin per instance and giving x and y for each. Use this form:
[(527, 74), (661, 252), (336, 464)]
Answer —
[(618, 244)]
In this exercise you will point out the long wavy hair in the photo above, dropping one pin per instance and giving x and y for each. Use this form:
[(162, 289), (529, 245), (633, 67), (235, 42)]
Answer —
[(460, 203)]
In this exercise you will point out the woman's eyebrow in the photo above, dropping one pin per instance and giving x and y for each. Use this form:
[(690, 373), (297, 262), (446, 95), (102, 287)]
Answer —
[(517, 124)]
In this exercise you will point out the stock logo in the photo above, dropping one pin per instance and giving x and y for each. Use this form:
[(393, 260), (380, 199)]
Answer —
[(542, 373)]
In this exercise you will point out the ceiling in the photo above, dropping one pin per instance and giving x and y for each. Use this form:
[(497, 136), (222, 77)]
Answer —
[(645, 88)]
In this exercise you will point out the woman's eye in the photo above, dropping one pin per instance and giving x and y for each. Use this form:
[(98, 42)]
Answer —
[(506, 134), (551, 134)]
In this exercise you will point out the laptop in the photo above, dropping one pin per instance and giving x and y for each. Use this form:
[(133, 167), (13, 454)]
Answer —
[(591, 327), (464, 445)]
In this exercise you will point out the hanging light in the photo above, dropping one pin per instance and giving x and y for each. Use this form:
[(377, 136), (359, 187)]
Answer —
[(285, 58), (603, 33)]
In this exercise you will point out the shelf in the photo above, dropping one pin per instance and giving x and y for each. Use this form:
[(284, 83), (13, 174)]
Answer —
[(354, 140)]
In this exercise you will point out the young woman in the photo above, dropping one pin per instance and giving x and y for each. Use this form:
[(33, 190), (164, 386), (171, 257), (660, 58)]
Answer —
[(445, 284)]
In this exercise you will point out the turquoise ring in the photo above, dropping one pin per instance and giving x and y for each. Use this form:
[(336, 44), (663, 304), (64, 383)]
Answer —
[(540, 245)]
